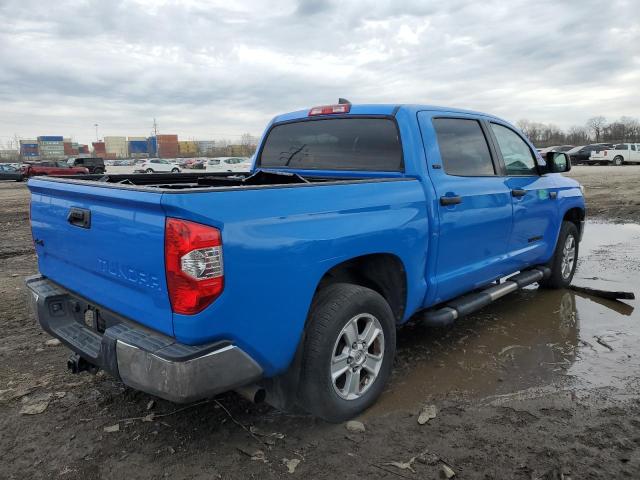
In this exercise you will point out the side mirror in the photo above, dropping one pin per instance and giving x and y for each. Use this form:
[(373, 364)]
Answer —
[(557, 162)]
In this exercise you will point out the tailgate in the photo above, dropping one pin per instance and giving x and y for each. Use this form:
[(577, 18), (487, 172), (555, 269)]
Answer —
[(105, 244)]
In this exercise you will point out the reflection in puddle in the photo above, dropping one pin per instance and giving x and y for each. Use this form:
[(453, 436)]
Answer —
[(532, 338)]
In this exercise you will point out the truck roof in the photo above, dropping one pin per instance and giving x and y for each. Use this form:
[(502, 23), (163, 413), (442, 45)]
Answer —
[(379, 109)]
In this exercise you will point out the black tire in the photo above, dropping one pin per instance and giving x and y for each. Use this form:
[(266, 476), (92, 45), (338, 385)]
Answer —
[(175, 170), (617, 161), (558, 279), (98, 171), (334, 307), (149, 170)]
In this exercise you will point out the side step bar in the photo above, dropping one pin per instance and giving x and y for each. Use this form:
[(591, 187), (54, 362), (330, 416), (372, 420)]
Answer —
[(466, 304)]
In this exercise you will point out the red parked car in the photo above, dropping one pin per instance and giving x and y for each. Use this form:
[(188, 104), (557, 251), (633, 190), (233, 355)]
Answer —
[(51, 168)]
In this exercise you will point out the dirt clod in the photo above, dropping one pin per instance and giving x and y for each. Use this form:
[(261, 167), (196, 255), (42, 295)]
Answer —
[(355, 427), (427, 413)]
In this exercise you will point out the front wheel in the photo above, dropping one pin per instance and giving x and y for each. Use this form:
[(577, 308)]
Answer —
[(175, 170), (349, 349), (149, 170), (618, 161), (565, 258)]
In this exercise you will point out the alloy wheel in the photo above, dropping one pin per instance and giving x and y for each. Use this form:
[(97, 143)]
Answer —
[(357, 356)]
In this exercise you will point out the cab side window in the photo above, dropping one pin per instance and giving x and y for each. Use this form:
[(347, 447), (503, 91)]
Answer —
[(518, 157), (463, 147)]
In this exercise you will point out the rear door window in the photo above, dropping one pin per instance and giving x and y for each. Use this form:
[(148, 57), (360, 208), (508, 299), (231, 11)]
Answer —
[(370, 144), (463, 147), (518, 157)]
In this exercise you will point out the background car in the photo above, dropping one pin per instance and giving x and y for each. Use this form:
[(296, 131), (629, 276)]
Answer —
[(228, 164), (582, 153), (93, 164), (9, 172), (158, 165), (555, 148)]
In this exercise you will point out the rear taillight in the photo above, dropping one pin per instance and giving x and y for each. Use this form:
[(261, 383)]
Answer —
[(193, 263), (330, 109)]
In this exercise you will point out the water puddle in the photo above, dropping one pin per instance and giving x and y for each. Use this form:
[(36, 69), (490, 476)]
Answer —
[(535, 337)]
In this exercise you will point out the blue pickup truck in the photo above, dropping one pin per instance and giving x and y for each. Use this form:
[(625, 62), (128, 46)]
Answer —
[(289, 281)]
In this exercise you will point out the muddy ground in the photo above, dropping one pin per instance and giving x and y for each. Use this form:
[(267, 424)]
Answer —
[(543, 384)]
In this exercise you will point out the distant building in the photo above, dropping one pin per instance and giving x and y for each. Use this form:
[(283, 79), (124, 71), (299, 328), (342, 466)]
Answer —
[(51, 147), (206, 147), (116, 147), (10, 155)]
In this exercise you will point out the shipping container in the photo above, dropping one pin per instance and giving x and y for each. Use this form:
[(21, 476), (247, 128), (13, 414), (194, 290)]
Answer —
[(50, 138), (187, 147), (98, 147), (137, 139), (167, 138), (138, 146), (151, 146), (83, 149), (116, 145)]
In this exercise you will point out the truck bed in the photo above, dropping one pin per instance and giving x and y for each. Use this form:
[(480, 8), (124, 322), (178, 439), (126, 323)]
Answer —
[(209, 181)]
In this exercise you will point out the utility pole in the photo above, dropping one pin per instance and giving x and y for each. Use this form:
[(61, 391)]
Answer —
[(155, 133), (97, 138)]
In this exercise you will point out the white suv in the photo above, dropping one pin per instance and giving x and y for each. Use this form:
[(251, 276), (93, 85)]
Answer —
[(158, 165)]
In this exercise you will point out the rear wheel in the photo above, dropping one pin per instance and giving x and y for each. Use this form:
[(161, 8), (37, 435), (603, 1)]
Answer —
[(618, 161), (349, 349), (99, 171), (175, 170), (565, 258), (149, 170)]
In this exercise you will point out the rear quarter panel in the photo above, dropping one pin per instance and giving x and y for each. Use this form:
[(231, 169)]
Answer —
[(279, 242)]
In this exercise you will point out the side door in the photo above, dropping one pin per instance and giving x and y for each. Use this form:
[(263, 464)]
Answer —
[(534, 196), (474, 210), (634, 154)]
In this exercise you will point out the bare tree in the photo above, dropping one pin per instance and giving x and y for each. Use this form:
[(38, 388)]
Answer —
[(597, 126), (248, 143), (577, 135)]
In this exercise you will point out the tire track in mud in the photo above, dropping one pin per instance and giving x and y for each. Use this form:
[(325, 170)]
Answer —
[(16, 253)]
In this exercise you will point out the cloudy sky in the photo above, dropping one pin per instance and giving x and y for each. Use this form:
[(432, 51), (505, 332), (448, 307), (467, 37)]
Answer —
[(216, 69)]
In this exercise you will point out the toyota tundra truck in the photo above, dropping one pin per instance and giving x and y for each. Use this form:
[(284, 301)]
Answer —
[(290, 281)]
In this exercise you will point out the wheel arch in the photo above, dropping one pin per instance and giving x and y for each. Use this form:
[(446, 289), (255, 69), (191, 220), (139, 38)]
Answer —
[(382, 272), (575, 215)]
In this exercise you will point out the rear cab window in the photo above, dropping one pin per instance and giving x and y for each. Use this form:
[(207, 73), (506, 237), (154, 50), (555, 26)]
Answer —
[(356, 144), (463, 147)]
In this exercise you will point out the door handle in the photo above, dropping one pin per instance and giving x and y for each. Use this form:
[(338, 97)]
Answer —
[(516, 192), (444, 200), (553, 195), (80, 217)]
